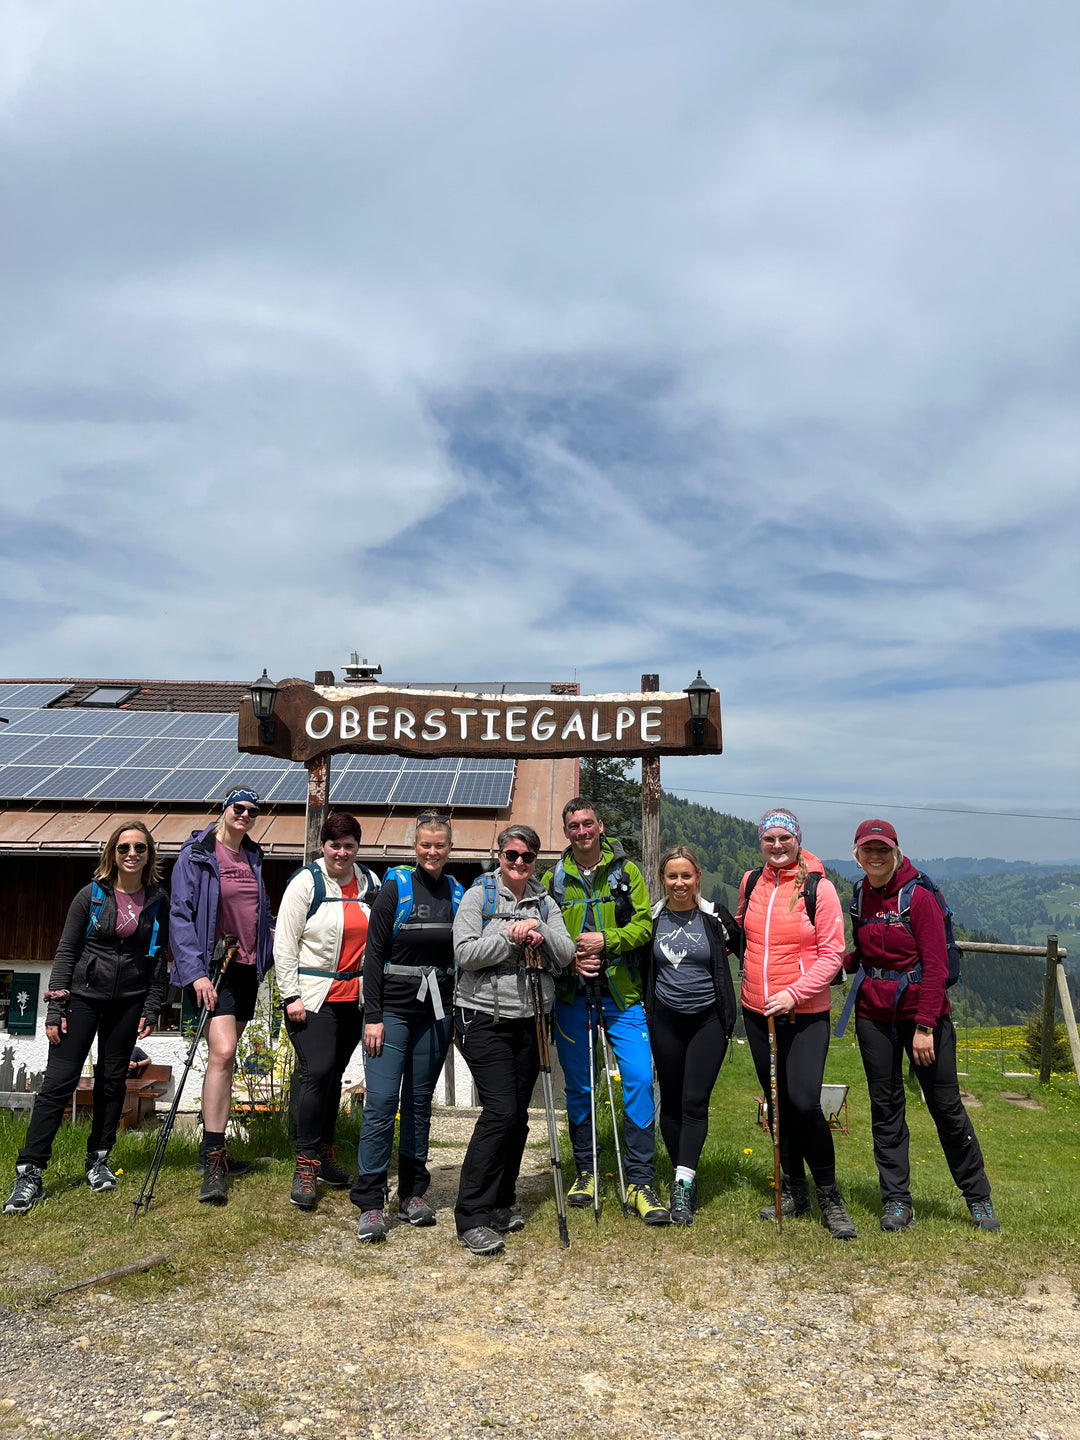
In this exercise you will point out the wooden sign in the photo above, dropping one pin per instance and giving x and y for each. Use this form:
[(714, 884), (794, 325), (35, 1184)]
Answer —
[(317, 720)]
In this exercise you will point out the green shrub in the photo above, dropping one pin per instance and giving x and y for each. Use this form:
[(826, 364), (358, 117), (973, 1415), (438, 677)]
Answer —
[(1061, 1061)]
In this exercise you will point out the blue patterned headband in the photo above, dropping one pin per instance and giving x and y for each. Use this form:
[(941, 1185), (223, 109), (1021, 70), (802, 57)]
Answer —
[(780, 820), (241, 793)]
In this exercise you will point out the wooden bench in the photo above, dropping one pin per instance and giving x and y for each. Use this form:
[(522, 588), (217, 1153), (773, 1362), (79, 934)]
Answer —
[(140, 1099), (833, 1106)]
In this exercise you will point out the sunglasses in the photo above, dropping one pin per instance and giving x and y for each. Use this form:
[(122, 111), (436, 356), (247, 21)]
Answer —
[(525, 856), (429, 815), (243, 810), (139, 848)]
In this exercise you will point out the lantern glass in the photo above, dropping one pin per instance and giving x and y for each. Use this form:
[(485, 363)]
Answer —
[(263, 694)]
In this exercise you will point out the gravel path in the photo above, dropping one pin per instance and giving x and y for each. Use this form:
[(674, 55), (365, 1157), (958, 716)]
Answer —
[(415, 1338)]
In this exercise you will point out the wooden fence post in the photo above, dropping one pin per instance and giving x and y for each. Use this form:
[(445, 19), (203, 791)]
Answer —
[(318, 798), (650, 808), (1049, 1018)]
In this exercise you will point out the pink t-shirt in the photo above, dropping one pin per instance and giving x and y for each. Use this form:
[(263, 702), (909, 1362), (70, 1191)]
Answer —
[(128, 910), (238, 907)]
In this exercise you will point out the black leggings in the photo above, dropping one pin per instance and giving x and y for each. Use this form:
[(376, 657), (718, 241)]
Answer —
[(802, 1043), (324, 1043), (116, 1024), (688, 1051)]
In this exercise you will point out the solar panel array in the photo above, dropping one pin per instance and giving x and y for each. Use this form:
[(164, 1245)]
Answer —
[(159, 756)]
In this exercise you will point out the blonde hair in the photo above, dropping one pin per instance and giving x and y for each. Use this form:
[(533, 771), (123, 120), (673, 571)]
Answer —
[(897, 854), (107, 868), (680, 852)]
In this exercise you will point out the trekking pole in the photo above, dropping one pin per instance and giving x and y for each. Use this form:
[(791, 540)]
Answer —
[(590, 1006), (774, 1097), (224, 954), (533, 973), (608, 1058)]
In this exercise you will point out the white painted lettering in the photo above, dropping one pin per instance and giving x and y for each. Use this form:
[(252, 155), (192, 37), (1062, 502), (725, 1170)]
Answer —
[(573, 726), (350, 722), (596, 726), (542, 729), (378, 717), (514, 723), (464, 714), (490, 733), (649, 724), (624, 720), (434, 729), (319, 722), (404, 724)]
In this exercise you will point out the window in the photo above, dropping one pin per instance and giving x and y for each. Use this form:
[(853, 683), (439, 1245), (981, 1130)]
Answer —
[(110, 695)]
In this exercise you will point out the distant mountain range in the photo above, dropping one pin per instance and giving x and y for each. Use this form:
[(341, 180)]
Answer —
[(961, 866)]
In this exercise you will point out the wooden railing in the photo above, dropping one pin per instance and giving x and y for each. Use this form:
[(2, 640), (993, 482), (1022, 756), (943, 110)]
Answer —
[(1055, 984)]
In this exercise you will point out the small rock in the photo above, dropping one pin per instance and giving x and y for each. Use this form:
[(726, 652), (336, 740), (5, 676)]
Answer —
[(81, 1342), (152, 1417), (290, 1427), (6, 1404)]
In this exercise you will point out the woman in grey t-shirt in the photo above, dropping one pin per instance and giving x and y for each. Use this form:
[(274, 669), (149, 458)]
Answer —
[(690, 1003)]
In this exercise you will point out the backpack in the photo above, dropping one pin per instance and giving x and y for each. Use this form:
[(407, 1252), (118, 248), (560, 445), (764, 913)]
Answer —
[(402, 877), (618, 885), (320, 896), (903, 916), (808, 892), (97, 905)]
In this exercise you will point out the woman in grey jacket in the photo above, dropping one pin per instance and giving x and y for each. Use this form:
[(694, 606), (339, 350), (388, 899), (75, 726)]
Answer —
[(502, 915)]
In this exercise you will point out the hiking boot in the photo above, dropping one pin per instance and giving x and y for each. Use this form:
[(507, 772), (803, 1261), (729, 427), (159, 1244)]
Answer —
[(213, 1190), (233, 1166), (330, 1172), (415, 1211), (27, 1192), (98, 1175), (580, 1194), (836, 1219), (642, 1200), (794, 1201), (682, 1202), (507, 1220), (305, 1183), (371, 1227), (982, 1213), (481, 1240), (898, 1215)]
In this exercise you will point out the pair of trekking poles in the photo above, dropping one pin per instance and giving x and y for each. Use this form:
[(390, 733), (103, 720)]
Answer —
[(224, 954), (595, 1016)]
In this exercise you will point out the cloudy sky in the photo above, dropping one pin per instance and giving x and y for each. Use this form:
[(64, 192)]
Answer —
[(555, 340)]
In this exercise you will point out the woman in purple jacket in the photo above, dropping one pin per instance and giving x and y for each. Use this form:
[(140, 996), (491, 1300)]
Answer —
[(901, 960), (218, 889)]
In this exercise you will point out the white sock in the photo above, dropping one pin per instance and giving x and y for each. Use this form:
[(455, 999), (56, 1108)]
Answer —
[(685, 1174)]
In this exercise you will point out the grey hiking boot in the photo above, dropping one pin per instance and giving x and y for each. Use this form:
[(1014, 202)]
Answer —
[(98, 1175), (482, 1240), (28, 1190), (213, 1190), (794, 1201), (507, 1220), (415, 1210), (330, 1172), (371, 1227), (898, 1215), (682, 1202), (982, 1214), (233, 1166), (836, 1219), (305, 1185)]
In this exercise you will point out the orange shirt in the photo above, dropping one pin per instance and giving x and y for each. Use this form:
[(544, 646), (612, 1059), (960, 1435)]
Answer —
[(353, 941)]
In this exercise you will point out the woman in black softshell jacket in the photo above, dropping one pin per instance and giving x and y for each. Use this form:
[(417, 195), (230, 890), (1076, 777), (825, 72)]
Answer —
[(108, 981)]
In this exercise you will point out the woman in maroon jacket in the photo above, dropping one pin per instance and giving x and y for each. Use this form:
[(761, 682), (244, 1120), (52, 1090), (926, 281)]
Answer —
[(901, 1005)]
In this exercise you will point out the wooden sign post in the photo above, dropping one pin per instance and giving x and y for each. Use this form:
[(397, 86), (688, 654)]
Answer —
[(650, 808)]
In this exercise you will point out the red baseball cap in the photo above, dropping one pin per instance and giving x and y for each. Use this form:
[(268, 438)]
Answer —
[(876, 830)]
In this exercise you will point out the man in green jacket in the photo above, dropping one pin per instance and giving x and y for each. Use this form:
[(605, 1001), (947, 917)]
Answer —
[(605, 904)]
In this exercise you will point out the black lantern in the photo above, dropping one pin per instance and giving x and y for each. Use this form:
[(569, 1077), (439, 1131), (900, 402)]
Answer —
[(699, 692), (263, 694)]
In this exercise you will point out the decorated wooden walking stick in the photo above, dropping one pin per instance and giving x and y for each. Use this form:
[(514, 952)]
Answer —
[(774, 1101)]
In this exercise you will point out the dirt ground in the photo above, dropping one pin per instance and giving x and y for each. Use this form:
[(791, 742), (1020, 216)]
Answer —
[(416, 1338)]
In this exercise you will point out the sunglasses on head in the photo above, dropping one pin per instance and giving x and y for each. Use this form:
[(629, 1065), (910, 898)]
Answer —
[(527, 856), (431, 815), (139, 848), (240, 809)]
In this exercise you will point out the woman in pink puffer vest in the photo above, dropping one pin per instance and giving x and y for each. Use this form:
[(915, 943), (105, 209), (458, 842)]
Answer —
[(791, 960)]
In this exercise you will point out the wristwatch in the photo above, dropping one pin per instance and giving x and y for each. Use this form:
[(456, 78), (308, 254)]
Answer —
[(925, 1029)]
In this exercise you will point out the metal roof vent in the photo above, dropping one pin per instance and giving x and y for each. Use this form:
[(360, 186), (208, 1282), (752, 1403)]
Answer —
[(359, 672)]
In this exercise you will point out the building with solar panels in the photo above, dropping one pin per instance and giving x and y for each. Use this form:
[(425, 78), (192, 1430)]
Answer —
[(79, 756)]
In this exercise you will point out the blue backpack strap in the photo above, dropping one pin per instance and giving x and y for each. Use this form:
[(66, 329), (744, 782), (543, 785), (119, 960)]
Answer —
[(97, 904), (320, 887), (402, 878), (152, 948), (558, 883), (457, 891), (491, 895)]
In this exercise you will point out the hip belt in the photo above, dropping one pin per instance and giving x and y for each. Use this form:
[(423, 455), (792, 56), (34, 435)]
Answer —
[(428, 977), (330, 974), (903, 979)]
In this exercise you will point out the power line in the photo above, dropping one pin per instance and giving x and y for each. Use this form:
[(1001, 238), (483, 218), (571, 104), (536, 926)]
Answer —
[(880, 805)]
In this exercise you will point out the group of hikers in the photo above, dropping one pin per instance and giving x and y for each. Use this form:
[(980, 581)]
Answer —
[(406, 964)]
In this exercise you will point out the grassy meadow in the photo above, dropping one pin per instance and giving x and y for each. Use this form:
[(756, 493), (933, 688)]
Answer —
[(1032, 1155)]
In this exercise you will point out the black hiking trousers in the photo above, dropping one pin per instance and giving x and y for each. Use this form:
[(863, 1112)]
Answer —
[(883, 1058)]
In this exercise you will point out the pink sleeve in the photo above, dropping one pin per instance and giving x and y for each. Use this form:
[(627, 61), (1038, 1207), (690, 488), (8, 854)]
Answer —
[(829, 940)]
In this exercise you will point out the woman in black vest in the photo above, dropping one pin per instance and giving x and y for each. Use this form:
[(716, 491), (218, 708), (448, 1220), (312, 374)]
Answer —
[(107, 982), (408, 1021)]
